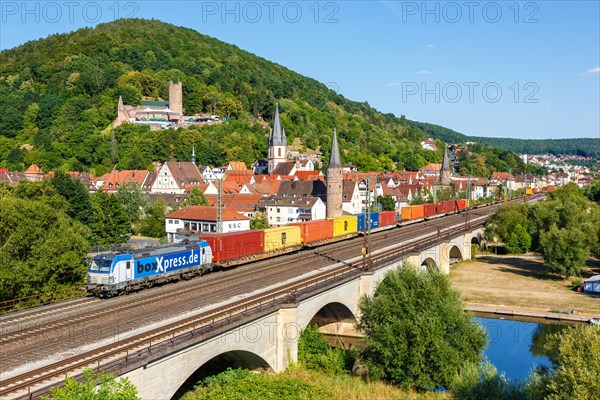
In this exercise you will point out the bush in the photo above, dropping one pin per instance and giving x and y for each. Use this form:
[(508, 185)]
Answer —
[(315, 353), (102, 387)]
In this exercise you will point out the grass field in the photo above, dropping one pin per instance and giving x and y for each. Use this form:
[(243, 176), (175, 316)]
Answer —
[(520, 282)]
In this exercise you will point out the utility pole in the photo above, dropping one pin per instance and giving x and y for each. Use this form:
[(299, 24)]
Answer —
[(366, 250), (220, 205)]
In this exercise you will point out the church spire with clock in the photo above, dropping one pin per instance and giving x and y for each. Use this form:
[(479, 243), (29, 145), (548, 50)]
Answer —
[(334, 180), (277, 143)]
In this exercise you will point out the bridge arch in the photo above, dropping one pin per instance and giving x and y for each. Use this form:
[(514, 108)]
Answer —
[(455, 254), (235, 359), (429, 263)]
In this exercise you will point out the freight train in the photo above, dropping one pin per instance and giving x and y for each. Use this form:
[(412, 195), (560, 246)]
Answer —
[(115, 273)]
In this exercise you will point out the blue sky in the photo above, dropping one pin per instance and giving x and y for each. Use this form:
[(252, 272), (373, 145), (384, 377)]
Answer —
[(514, 69)]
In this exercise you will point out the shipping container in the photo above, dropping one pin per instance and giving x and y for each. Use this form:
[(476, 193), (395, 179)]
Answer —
[(417, 212), (428, 210), (528, 191), (313, 231), (461, 204), (406, 213), (536, 190), (387, 218), (450, 206), (233, 245), (360, 221), (281, 238), (440, 207), (344, 225)]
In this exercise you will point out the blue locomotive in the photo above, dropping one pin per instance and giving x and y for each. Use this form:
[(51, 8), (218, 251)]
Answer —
[(118, 272)]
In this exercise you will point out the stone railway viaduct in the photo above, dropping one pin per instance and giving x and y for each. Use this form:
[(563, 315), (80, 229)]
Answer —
[(270, 341)]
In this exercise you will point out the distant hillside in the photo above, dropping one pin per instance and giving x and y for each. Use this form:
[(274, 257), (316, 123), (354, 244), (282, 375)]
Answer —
[(586, 147), (58, 97)]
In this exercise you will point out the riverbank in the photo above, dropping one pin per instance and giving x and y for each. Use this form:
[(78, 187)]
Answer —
[(522, 286)]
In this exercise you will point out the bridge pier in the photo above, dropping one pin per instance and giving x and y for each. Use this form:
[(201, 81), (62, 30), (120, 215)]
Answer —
[(444, 249), (288, 334)]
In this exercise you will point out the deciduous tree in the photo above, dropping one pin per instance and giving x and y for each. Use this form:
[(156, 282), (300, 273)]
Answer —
[(416, 331)]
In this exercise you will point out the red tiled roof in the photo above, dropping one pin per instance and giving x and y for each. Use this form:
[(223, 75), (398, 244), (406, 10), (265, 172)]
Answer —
[(206, 213), (118, 177), (34, 170)]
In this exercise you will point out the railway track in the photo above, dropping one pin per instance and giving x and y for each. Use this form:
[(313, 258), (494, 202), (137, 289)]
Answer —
[(223, 286)]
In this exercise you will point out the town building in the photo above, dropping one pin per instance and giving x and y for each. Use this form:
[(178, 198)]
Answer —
[(193, 221), (286, 210), (176, 177)]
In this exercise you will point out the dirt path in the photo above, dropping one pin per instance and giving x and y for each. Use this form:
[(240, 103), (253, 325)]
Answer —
[(519, 282)]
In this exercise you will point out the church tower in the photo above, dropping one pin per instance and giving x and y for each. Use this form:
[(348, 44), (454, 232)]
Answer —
[(334, 180), (277, 143), (445, 172)]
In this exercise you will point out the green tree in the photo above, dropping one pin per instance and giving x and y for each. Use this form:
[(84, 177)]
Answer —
[(592, 191), (519, 240), (102, 387), (80, 205), (133, 200), (196, 198), (416, 331), (564, 250), (153, 223), (387, 203), (259, 221), (575, 357), (41, 248), (111, 224)]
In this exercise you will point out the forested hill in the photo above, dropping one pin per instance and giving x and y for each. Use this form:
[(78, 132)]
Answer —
[(586, 147), (59, 95)]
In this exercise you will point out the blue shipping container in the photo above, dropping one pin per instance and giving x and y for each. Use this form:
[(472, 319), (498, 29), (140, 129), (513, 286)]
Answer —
[(361, 221)]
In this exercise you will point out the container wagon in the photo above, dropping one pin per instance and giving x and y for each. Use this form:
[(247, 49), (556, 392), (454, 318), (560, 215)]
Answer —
[(315, 231), (360, 221), (282, 238), (345, 225), (387, 218), (235, 247), (429, 210)]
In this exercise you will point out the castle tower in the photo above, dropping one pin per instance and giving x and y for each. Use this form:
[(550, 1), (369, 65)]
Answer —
[(277, 143), (445, 172), (176, 99), (334, 180), (121, 113)]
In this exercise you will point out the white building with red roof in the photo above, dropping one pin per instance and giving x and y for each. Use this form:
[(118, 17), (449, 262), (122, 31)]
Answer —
[(198, 220)]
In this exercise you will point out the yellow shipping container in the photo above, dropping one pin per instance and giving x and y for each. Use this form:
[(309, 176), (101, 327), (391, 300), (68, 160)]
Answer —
[(281, 238), (528, 191), (345, 225)]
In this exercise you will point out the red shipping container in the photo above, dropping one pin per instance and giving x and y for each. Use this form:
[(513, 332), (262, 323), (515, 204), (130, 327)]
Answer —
[(441, 207), (232, 245), (313, 231), (387, 218), (461, 204), (417, 212), (452, 205), (429, 209)]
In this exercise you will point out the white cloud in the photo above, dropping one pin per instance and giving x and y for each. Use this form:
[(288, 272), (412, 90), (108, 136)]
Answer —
[(592, 71), (424, 72), (430, 46), (394, 84)]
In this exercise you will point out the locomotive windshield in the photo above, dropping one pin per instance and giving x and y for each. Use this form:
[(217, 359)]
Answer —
[(101, 264)]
